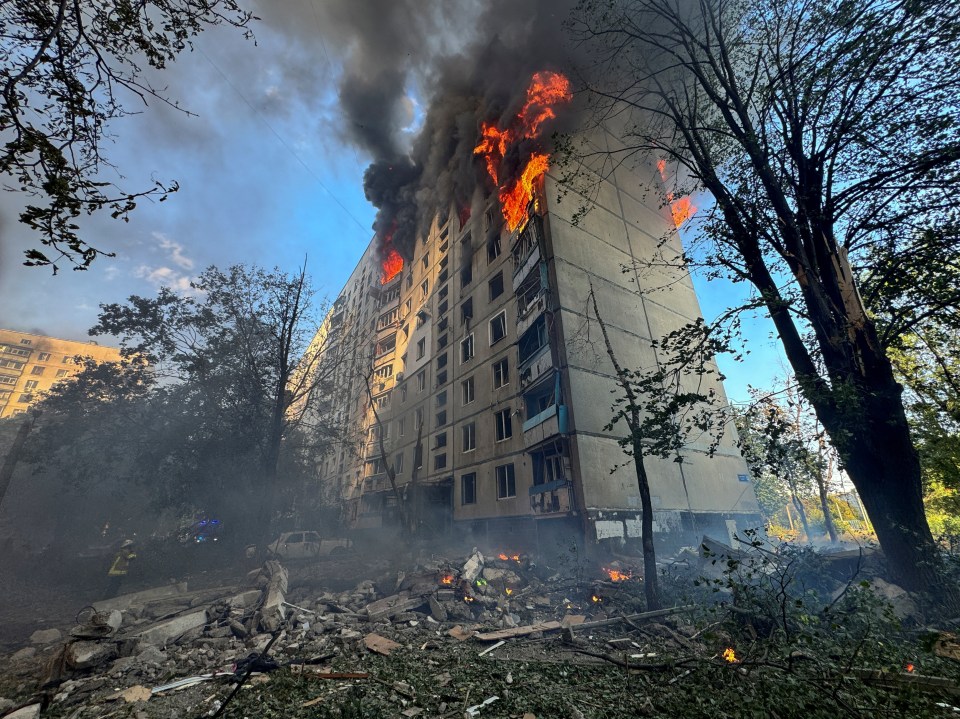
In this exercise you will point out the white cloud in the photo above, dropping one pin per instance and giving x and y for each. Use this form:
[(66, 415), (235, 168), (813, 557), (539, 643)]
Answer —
[(166, 277), (174, 250)]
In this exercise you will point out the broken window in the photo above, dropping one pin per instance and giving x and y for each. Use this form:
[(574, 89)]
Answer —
[(440, 461), (504, 424), (493, 248), (467, 391), (466, 349), (468, 488), (469, 436), (501, 373), (496, 286), (498, 328), (533, 340), (506, 481)]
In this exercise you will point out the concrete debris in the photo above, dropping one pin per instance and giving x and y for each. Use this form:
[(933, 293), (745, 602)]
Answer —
[(172, 629), (380, 645), (28, 712), (471, 570), (86, 654), (46, 636)]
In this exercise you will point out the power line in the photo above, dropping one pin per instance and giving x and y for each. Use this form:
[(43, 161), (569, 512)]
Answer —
[(284, 142)]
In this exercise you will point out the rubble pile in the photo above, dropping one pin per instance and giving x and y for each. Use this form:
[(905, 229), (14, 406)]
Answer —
[(416, 638)]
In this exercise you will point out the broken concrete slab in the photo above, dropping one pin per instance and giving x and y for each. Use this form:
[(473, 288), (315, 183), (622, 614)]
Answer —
[(24, 654), (125, 601), (86, 655), (393, 605), (472, 568), (244, 600), (46, 636), (172, 629), (437, 610), (28, 712)]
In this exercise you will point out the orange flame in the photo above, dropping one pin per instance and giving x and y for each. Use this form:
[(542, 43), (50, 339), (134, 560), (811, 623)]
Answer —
[(617, 576), (446, 579), (509, 591), (908, 667), (504, 557), (546, 90), (595, 599), (468, 599), (392, 264), (682, 209), (730, 655)]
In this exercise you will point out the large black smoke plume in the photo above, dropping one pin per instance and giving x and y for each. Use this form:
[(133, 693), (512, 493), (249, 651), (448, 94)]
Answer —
[(469, 62)]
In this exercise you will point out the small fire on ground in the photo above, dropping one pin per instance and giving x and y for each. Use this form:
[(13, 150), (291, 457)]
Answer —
[(617, 575), (503, 556), (730, 655)]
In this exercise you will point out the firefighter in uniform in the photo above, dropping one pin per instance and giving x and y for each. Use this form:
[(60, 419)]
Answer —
[(120, 567)]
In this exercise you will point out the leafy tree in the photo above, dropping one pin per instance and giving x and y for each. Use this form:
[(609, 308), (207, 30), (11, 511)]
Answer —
[(239, 367), (825, 135), (67, 70), (661, 412)]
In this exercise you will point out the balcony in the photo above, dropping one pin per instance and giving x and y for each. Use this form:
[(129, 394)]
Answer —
[(525, 265), (528, 314), (536, 367), (541, 427), (551, 498)]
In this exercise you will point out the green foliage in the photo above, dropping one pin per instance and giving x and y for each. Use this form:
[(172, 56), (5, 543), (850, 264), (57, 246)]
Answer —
[(65, 70)]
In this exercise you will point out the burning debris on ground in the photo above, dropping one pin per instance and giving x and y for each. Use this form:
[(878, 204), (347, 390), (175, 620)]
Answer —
[(485, 634)]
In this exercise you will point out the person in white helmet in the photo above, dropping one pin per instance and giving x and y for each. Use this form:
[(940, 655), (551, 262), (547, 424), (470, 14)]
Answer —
[(121, 565)]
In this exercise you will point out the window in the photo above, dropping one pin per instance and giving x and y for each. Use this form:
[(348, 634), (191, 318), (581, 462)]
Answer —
[(421, 380), (421, 319), (12, 364), (466, 349), (440, 441), (31, 384), (37, 370), (418, 418), (16, 351), (496, 286), (466, 311), (403, 392), (426, 261), (424, 289), (26, 397), (442, 341), (469, 437), (391, 295), (467, 391), (441, 378), (401, 426), (442, 361), (498, 328), (468, 488), (533, 340), (7, 379), (407, 307), (506, 482), (441, 398), (381, 373), (504, 424), (440, 461), (443, 292), (43, 357), (501, 373), (441, 418), (466, 276), (382, 401), (66, 358), (421, 347), (493, 248), (375, 466), (388, 318), (26, 342), (387, 344)]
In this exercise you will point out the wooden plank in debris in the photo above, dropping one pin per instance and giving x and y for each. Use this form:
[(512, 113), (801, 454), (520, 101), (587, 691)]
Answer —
[(523, 631), (572, 620), (389, 606), (381, 645), (460, 633), (635, 617)]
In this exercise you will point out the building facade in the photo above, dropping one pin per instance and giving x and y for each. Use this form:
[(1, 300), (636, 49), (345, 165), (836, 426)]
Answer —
[(477, 376), (30, 364)]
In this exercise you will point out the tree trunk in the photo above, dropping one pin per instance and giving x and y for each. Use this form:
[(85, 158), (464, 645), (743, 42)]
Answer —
[(651, 588), (13, 456), (825, 506), (798, 505)]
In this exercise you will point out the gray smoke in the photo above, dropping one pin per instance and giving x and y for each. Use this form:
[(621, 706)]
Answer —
[(469, 62)]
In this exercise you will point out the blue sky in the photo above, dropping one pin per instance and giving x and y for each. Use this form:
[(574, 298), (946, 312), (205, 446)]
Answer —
[(267, 177)]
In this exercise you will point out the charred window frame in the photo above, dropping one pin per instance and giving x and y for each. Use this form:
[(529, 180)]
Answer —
[(468, 488)]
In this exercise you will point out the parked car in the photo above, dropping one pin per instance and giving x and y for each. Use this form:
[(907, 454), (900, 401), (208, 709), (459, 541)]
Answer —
[(306, 545)]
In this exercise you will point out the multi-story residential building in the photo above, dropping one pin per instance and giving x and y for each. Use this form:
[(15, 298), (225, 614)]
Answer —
[(472, 374), (30, 364)]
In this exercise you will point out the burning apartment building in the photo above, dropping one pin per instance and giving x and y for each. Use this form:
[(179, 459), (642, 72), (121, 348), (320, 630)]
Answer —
[(473, 397)]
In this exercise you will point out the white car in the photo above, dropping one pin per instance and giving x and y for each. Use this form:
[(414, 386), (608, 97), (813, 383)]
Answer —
[(306, 545)]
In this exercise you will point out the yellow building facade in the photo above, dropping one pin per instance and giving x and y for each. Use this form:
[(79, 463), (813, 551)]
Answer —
[(30, 364)]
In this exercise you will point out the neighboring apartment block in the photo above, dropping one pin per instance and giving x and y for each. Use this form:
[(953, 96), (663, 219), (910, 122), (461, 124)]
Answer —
[(489, 390), (30, 364)]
